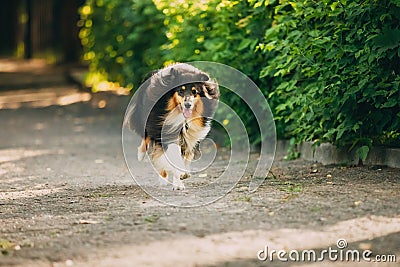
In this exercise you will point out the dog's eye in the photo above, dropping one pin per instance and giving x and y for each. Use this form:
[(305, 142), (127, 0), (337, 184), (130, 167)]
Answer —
[(194, 92), (181, 90)]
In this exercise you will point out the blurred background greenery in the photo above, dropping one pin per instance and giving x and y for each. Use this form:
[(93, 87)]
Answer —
[(329, 69)]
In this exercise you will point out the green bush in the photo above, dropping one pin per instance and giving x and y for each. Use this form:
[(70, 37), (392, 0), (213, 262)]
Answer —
[(122, 39), (330, 69), (334, 67), (221, 31)]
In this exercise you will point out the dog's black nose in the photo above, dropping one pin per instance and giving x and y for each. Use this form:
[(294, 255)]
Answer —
[(188, 105)]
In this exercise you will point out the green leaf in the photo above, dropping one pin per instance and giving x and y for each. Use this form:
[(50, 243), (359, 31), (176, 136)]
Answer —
[(362, 152), (391, 103), (244, 44), (389, 39), (270, 33), (340, 133), (334, 5), (395, 2)]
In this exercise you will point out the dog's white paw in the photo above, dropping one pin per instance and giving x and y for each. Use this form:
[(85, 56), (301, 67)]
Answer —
[(177, 184), (140, 154), (185, 176), (163, 181)]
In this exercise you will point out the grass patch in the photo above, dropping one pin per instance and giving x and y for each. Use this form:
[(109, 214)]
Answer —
[(99, 195), (315, 209), (6, 247), (291, 187), (243, 199), (151, 219)]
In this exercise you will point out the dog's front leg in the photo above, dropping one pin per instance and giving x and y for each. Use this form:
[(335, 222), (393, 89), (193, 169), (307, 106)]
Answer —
[(174, 157), (143, 147), (187, 160)]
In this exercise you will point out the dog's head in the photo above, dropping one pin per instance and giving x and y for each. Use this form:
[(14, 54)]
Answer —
[(187, 97), (189, 86)]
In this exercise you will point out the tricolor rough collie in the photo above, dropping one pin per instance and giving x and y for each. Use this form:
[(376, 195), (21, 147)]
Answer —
[(172, 114)]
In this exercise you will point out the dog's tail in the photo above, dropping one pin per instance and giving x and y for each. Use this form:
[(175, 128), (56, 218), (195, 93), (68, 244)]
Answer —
[(129, 116), (134, 119)]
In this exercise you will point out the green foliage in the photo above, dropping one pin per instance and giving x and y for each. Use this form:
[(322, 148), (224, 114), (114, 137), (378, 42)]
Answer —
[(292, 152), (362, 152), (391, 138), (330, 69), (334, 66), (122, 38), (215, 30), (221, 31)]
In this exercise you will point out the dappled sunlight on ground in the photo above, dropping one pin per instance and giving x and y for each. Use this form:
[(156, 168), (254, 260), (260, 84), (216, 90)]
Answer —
[(36, 98), (35, 83), (15, 65), (14, 154)]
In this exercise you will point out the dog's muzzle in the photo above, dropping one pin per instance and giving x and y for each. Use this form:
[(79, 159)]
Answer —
[(187, 108)]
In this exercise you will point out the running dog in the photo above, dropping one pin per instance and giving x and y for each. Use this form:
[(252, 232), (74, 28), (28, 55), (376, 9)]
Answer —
[(172, 114)]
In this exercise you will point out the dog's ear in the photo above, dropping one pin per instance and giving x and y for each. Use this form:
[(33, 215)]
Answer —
[(168, 75), (204, 77), (211, 89)]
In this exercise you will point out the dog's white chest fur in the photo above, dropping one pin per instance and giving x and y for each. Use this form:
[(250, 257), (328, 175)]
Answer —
[(193, 133), (175, 119)]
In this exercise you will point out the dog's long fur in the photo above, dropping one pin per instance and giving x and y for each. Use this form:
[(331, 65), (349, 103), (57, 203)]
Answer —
[(172, 114)]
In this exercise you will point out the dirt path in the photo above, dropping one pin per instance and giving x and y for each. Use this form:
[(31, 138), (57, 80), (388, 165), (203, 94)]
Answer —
[(67, 199)]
